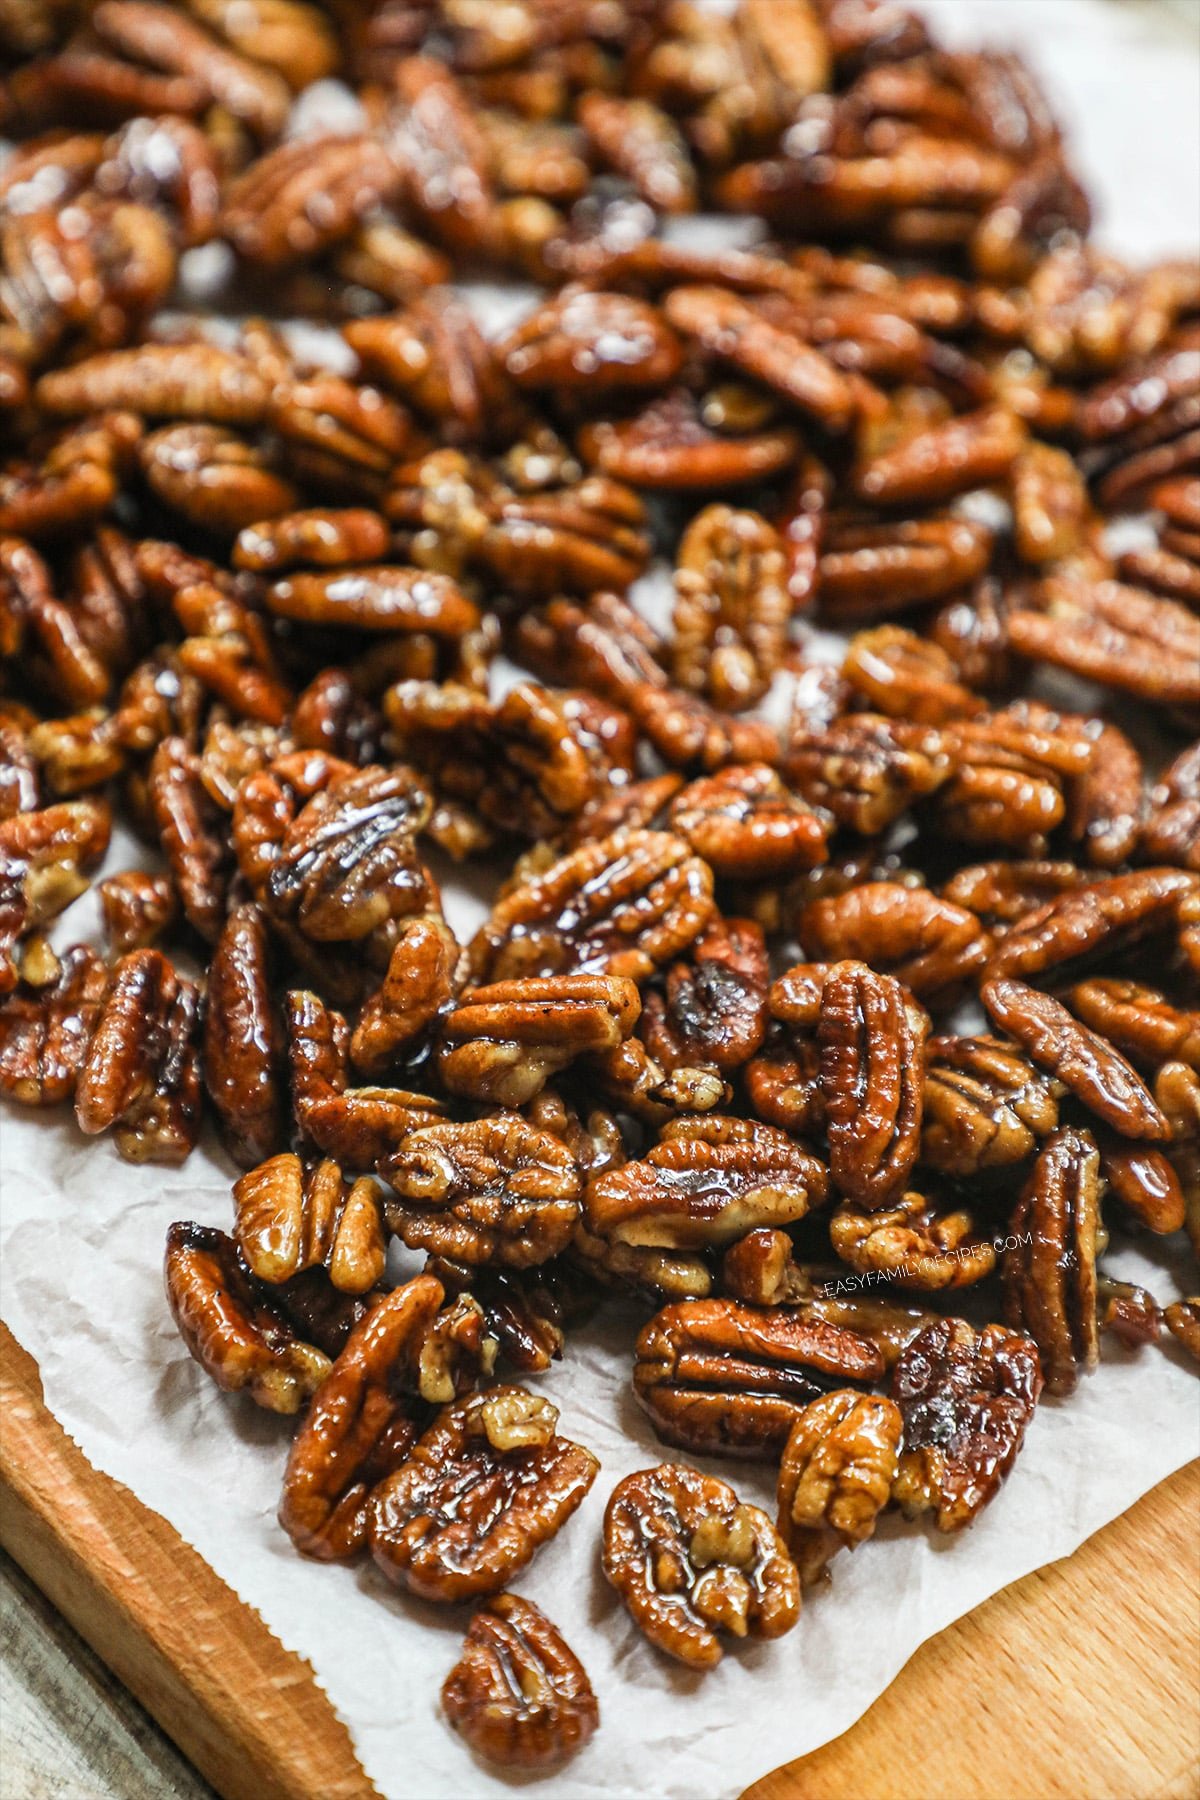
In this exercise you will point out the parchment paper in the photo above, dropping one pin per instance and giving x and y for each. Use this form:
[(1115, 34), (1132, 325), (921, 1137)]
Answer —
[(81, 1236)]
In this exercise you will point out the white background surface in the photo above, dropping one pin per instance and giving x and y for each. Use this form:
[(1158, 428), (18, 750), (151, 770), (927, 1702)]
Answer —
[(81, 1237)]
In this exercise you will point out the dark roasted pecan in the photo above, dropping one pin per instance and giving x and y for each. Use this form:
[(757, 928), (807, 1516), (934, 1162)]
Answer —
[(714, 1011), (924, 941), (620, 906), (46, 1026), (1050, 1271), (488, 1190), (690, 1560), (706, 1182), (290, 1219), (141, 1074), (730, 1380), (1085, 1063), (746, 824), (231, 1327), (836, 1476), (483, 1489), (871, 1038), (243, 1044), (358, 1428), (986, 1106), (502, 1043), (966, 1399), (518, 1694)]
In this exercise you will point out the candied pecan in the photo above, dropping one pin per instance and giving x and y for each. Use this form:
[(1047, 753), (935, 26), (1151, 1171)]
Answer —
[(783, 1086), (212, 477), (290, 1218), (375, 599), (488, 1190), (866, 770), (502, 1043), (1120, 636), (966, 1400), (945, 460), (358, 1429), (745, 823), (714, 1011), (732, 329), (76, 753), (592, 344), (729, 1380), (167, 381), (986, 1107), (871, 1038), (731, 607), (168, 40), (234, 1331), (836, 1476), (691, 735), (690, 1560), (1085, 1063), (194, 835), (913, 1243), (1050, 504), (1090, 922), (43, 859), (1182, 1320), (243, 1048), (677, 443), (866, 571), (1050, 1273), (924, 941), (327, 536), (518, 1694), (1168, 572), (417, 989), (1144, 1180), (44, 631), (1177, 1092), (305, 196), (906, 677), (1139, 1020), (356, 1126), (618, 906), (706, 1182), (141, 1073), (1002, 893), (483, 1489), (45, 1028), (20, 787), (524, 1312), (87, 274), (434, 139), (435, 358), (638, 140)]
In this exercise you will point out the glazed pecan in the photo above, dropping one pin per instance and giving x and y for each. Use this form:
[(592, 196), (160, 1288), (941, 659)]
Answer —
[(986, 1106), (376, 599), (732, 329), (194, 835), (871, 1039), (46, 1026), (745, 823), (924, 941), (1050, 1273), (483, 1489), (354, 1125), (896, 673), (1182, 1319), (358, 1428), (234, 1331), (488, 1190), (1144, 1180), (1120, 636), (243, 1044), (418, 988), (1171, 833), (161, 381), (619, 906), (706, 1182), (1089, 922), (434, 357), (175, 44), (866, 769), (690, 1560), (1003, 893), (914, 1244), (966, 1400), (1087, 1064), (43, 859), (935, 464), (502, 1043), (593, 344), (836, 1476), (1139, 1020), (141, 1074), (729, 1380), (518, 1694), (290, 1218), (868, 571), (731, 607), (678, 443), (639, 141), (714, 1010), (305, 196)]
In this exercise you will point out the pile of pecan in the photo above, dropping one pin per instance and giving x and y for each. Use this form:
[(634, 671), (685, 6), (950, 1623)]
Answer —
[(703, 1050)]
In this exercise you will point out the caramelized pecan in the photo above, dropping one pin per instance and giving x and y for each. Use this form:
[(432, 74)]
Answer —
[(836, 1476), (518, 1694)]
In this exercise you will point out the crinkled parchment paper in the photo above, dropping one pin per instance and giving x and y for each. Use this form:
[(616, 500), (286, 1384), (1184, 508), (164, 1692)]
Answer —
[(81, 1237)]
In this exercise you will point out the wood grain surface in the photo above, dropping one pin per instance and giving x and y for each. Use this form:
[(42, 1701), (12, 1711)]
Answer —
[(1081, 1682)]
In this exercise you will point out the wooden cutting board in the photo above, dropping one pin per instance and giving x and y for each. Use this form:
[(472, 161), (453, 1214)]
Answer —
[(1081, 1682)]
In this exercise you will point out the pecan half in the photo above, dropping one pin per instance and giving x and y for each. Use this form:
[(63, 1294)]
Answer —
[(488, 1190), (1090, 922), (746, 824), (690, 1560), (243, 1045), (141, 1074), (483, 1489), (836, 1476), (290, 1218), (1050, 1274), (913, 1243), (986, 1106), (926, 942), (966, 1399), (871, 1038), (731, 607), (518, 1694), (236, 1334), (46, 1026), (729, 1380), (502, 1043)]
